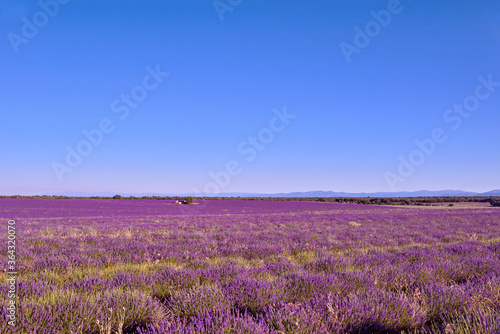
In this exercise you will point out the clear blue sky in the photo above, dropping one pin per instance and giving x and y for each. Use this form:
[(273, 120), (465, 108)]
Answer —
[(353, 120)]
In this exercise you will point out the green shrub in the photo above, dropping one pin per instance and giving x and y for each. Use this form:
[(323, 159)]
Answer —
[(495, 201)]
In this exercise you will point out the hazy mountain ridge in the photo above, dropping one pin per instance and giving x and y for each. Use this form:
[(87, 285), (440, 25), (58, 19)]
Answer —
[(318, 193)]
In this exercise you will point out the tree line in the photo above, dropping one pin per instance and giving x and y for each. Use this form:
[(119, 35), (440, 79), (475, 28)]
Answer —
[(421, 201)]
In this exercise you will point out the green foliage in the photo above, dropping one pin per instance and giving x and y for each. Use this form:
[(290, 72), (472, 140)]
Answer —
[(495, 201), (189, 200), (117, 197)]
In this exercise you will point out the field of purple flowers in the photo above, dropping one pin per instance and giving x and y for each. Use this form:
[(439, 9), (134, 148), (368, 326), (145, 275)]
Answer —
[(148, 267)]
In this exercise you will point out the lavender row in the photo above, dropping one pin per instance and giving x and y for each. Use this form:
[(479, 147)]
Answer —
[(272, 267)]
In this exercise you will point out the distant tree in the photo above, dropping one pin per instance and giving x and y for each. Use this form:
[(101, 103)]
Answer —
[(117, 197), (495, 201), (189, 200)]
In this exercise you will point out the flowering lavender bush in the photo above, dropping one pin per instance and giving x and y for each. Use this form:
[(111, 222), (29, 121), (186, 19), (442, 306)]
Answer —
[(134, 266)]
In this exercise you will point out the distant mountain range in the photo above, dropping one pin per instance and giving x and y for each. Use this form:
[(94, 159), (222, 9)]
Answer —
[(318, 193)]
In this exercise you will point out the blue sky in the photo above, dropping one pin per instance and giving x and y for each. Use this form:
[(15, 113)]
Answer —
[(354, 116)]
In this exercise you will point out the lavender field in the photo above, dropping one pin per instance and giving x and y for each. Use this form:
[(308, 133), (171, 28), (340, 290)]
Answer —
[(149, 267)]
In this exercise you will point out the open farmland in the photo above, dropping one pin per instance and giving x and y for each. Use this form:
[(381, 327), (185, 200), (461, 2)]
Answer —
[(137, 266)]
